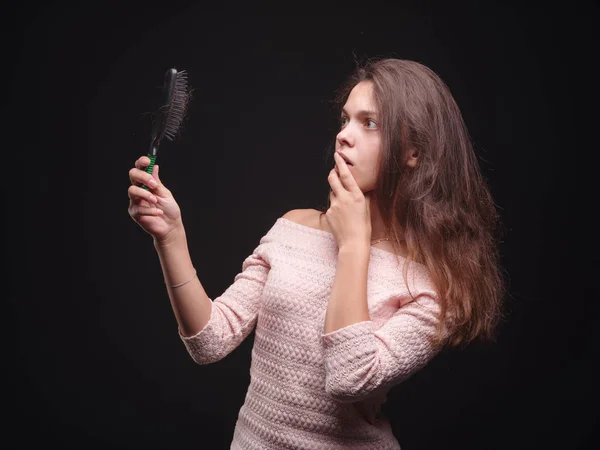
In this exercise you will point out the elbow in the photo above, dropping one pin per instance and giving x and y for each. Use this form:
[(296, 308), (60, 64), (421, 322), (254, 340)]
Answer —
[(349, 384), (342, 393), (342, 397), (205, 349), (203, 359)]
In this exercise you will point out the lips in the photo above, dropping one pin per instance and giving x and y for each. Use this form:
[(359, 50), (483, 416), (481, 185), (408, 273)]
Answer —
[(345, 158)]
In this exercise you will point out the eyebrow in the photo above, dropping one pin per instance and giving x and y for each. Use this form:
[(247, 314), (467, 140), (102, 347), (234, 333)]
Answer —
[(362, 112)]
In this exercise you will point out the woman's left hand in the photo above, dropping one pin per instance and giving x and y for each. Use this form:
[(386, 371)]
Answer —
[(349, 215)]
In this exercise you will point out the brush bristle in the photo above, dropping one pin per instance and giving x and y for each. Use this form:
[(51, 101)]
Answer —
[(178, 106)]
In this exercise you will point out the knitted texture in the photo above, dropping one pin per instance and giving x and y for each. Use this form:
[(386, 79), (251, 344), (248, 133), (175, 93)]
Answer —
[(310, 390)]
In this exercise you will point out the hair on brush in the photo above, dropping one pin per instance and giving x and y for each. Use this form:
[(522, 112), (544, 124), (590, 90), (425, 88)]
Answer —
[(175, 98)]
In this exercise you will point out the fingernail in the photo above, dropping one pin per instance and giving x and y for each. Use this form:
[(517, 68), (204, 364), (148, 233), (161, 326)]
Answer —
[(152, 182)]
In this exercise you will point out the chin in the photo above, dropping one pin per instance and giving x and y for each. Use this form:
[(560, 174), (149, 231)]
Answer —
[(366, 189)]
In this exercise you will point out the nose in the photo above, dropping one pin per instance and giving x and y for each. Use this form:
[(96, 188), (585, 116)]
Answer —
[(344, 137)]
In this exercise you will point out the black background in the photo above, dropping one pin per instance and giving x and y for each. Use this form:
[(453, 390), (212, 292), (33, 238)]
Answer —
[(94, 356)]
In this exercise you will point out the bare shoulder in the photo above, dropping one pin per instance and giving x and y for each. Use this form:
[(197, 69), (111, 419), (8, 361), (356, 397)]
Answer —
[(307, 217), (301, 216)]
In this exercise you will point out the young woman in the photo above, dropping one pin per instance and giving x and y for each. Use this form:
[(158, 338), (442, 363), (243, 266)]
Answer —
[(350, 301)]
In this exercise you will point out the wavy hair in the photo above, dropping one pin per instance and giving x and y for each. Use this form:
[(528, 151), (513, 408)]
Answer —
[(443, 205)]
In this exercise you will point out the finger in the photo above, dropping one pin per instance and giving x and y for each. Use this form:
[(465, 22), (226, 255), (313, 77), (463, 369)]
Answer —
[(161, 191), (139, 177), (138, 211), (142, 162), (133, 177), (335, 183), (137, 194), (345, 175)]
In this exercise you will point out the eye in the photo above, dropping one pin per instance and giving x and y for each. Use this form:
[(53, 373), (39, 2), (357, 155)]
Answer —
[(343, 122), (371, 124)]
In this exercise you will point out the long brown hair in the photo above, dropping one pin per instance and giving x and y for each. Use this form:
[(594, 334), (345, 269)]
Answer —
[(443, 205)]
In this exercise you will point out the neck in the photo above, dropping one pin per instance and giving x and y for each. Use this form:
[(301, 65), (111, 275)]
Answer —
[(377, 227)]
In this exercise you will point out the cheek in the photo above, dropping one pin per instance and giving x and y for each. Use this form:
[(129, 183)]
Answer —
[(365, 178)]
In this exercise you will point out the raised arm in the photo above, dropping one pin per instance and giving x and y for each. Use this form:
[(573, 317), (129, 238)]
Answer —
[(190, 303)]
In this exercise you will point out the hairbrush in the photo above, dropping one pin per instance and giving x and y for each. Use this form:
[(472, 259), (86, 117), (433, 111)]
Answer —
[(169, 116)]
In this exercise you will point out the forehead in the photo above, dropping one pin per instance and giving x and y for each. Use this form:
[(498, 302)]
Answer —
[(361, 97)]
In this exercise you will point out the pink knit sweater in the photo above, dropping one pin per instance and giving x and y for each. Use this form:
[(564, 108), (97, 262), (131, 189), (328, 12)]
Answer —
[(310, 390)]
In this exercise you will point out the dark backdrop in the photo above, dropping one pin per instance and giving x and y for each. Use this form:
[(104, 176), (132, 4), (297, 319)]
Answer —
[(94, 356)]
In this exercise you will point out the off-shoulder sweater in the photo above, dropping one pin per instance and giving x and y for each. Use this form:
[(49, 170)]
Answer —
[(311, 390)]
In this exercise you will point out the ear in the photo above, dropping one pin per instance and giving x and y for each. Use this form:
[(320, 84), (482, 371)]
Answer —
[(411, 159)]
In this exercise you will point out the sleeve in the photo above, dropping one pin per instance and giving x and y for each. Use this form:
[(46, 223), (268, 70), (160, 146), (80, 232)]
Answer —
[(360, 361), (233, 314)]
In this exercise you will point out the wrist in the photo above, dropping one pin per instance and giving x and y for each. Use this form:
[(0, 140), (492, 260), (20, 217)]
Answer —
[(173, 238), (355, 249)]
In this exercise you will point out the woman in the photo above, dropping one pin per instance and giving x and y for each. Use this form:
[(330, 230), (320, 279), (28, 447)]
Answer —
[(350, 301)]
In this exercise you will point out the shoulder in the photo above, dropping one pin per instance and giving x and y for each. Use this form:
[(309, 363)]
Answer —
[(308, 217), (300, 216)]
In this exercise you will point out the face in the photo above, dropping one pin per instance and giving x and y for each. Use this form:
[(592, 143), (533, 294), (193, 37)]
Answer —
[(359, 139)]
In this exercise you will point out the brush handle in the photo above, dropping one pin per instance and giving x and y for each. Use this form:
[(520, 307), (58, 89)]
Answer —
[(150, 167)]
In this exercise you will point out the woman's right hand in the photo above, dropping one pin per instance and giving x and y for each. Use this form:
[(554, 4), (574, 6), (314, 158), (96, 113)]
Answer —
[(155, 210)]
